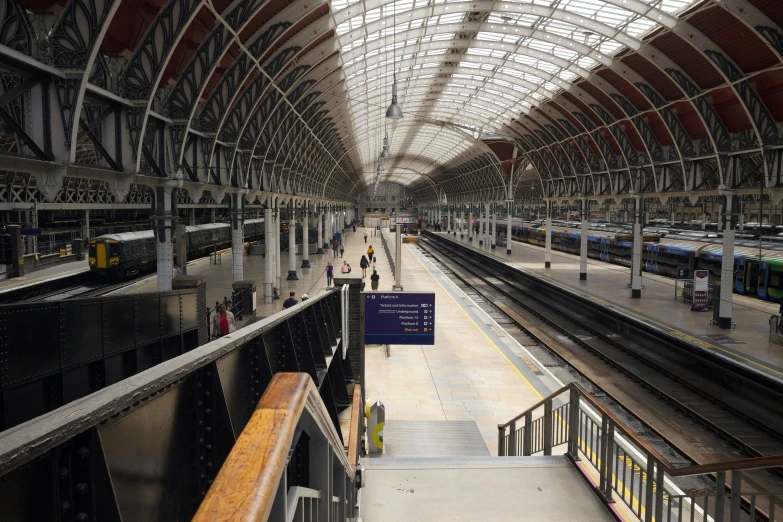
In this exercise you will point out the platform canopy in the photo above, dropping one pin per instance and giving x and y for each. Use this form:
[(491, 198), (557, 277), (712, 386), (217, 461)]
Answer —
[(519, 99)]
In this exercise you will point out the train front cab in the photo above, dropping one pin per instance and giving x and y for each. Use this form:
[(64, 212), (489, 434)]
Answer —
[(104, 255)]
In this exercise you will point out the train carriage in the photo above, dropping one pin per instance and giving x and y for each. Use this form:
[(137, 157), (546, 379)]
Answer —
[(130, 253)]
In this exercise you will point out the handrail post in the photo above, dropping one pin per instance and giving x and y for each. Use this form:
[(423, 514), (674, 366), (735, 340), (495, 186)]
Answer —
[(736, 487), (661, 490), (648, 490), (501, 436), (602, 464), (608, 460), (548, 427), (573, 424), (512, 439), (527, 446), (720, 495)]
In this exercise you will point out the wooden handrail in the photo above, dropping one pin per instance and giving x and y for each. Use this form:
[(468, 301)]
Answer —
[(701, 469), (357, 414), (247, 483)]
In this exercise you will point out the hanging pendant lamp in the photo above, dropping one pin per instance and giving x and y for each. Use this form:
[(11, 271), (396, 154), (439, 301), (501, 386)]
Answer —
[(394, 112), (386, 154)]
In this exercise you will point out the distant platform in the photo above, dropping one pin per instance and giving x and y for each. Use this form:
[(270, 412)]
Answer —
[(748, 344), (45, 275)]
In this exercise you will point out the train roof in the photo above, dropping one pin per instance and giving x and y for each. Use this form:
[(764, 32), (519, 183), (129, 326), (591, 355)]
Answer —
[(206, 226), (128, 236)]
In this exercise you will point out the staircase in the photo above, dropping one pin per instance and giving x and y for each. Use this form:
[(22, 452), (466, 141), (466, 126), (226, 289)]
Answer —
[(568, 458)]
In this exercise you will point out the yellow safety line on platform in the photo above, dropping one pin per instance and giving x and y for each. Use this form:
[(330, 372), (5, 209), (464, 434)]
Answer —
[(482, 331), (673, 331)]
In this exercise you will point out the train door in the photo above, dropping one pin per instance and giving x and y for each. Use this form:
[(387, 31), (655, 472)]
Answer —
[(604, 251), (761, 290), (750, 270), (751, 276), (739, 275), (102, 254), (651, 264)]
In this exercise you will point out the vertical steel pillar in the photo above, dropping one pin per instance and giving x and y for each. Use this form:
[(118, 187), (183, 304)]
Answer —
[(269, 258), (636, 249), (494, 231), (583, 244), (278, 250), (470, 222), (487, 228), (164, 221), (212, 215), (727, 267), (192, 217), (305, 237), (509, 235), (292, 243), (237, 236), (320, 249), (703, 216), (398, 257), (86, 225), (548, 236)]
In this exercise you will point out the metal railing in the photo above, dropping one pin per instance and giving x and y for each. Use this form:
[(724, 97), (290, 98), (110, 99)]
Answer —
[(628, 469), (98, 452), (389, 256), (263, 478)]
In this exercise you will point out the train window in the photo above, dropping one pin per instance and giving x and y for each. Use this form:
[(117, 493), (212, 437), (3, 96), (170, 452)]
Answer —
[(93, 250), (775, 281), (114, 249)]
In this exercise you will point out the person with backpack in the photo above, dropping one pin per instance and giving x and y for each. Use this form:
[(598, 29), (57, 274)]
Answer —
[(374, 278), (370, 252), (364, 264), (346, 268)]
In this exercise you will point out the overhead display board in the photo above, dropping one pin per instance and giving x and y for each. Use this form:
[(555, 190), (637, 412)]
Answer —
[(399, 318)]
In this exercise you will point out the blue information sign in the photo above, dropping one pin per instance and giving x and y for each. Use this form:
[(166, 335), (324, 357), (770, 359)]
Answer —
[(399, 318)]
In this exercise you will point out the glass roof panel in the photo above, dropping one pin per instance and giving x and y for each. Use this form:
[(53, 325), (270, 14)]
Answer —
[(472, 71)]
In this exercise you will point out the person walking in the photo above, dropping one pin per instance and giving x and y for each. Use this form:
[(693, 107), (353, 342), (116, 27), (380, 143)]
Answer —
[(346, 268), (329, 273), (370, 255), (374, 278), (365, 235), (364, 264), (223, 322), (291, 301), (342, 249)]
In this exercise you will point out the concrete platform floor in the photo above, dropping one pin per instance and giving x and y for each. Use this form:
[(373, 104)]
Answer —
[(311, 280), (470, 374), (748, 344), (478, 488), (51, 273)]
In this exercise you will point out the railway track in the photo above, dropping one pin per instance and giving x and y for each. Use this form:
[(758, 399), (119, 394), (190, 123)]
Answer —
[(710, 425), (89, 289)]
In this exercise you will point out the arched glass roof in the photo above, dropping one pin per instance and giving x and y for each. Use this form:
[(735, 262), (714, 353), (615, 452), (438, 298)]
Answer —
[(470, 69)]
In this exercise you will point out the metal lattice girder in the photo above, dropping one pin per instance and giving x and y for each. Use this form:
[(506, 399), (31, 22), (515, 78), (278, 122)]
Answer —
[(539, 77)]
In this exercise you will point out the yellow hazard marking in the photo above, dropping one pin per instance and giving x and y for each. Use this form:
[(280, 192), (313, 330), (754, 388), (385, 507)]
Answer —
[(377, 435)]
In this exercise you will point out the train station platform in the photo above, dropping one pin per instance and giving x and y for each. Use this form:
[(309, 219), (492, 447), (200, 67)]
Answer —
[(473, 372), (312, 281), (608, 285), (46, 275)]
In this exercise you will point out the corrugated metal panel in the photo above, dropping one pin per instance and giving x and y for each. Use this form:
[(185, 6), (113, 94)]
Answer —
[(738, 41), (689, 59)]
